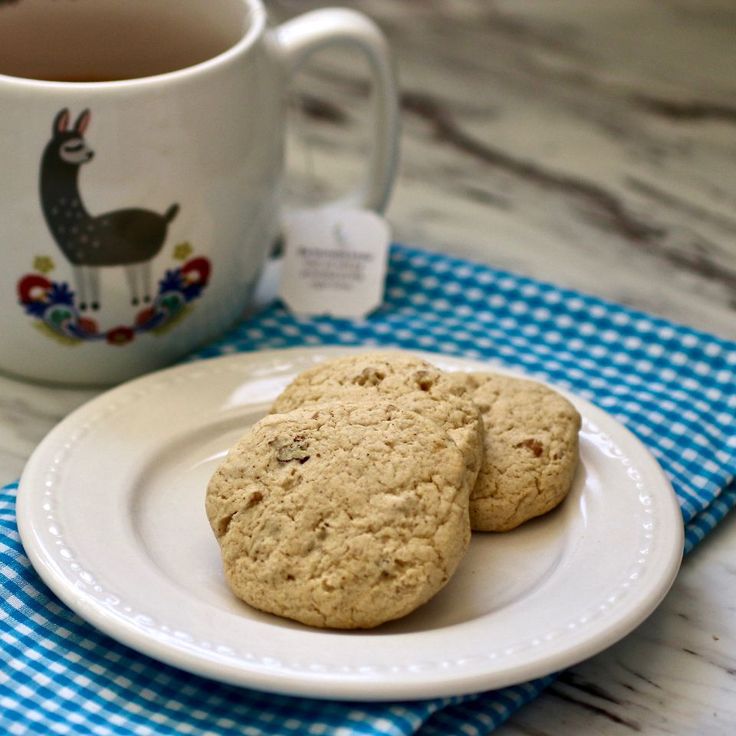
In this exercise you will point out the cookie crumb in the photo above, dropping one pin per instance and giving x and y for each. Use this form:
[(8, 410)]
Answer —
[(535, 446), (369, 377), (292, 448), (424, 380), (254, 498)]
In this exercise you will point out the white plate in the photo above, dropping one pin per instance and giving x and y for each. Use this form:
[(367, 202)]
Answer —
[(111, 513)]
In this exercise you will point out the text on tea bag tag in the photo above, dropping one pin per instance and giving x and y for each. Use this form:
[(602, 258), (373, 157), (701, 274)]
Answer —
[(334, 262)]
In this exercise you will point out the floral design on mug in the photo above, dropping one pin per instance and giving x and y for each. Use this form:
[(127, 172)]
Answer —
[(54, 304), (129, 238)]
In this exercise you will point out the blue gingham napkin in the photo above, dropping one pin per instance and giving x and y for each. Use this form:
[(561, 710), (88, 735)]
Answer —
[(674, 387)]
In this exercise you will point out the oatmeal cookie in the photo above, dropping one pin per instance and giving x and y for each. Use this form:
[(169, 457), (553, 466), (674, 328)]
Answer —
[(342, 515), (531, 448)]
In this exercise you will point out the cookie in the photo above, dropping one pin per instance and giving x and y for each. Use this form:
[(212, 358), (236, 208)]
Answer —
[(412, 382), (531, 448), (341, 515)]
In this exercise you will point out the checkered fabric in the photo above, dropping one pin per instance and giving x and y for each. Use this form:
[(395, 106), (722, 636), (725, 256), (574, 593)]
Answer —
[(672, 386)]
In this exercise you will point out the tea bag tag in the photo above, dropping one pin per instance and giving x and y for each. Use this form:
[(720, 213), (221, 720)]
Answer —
[(335, 262)]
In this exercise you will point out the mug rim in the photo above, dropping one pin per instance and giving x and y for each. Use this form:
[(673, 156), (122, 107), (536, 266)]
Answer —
[(243, 44)]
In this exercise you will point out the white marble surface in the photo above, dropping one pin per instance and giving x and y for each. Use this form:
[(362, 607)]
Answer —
[(590, 144)]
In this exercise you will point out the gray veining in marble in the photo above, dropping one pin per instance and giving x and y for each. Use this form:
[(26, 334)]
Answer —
[(592, 144), (589, 144)]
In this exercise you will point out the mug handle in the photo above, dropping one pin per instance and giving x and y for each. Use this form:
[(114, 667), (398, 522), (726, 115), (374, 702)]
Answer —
[(298, 39)]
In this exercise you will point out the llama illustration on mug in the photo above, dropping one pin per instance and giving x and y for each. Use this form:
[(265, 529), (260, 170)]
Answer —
[(129, 237)]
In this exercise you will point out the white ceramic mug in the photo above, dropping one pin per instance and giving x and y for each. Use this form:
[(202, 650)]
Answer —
[(141, 160)]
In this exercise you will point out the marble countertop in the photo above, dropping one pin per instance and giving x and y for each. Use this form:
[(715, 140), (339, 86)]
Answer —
[(588, 144)]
